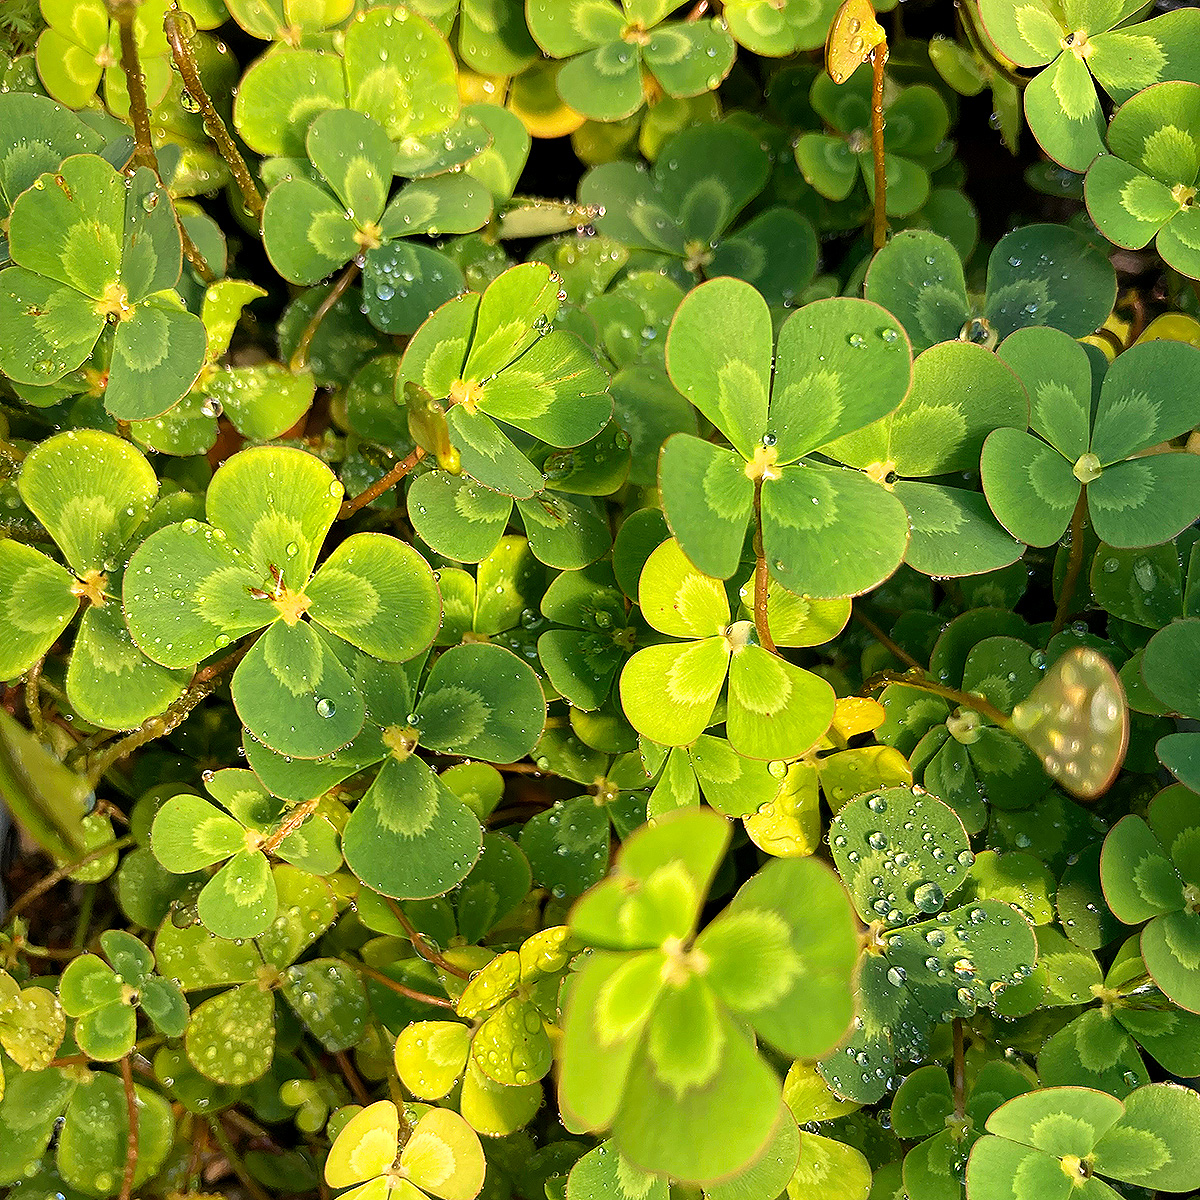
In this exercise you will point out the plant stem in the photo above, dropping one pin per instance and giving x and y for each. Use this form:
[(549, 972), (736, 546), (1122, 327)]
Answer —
[(299, 359), (192, 253), (762, 580), (231, 1156), (33, 699), (293, 821), (960, 1071), (420, 945), (351, 1077), (189, 72), (155, 727), (131, 1144), (123, 12), (401, 989), (889, 644), (878, 60), (1074, 563), (44, 885), (380, 486), (965, 699), (84, 919)]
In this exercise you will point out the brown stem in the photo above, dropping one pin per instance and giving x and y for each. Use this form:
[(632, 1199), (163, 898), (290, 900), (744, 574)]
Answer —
[(960, 1071), (221, 665), (123, 12), (33, 699), (889, 644), (420, 945), (236, 1165), (762, 581), (160, 726), (351, 1076), (380, 486), (195, 1157), (44, 885), (1074, 563), (294, 820), (963, 699), (192, 253), (131, 1144), (189, 72), (299, 359), (401, 989), (878, 60)]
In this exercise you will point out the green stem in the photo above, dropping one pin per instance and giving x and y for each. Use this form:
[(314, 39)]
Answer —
[(892, 647), (44, 885), (960, 1071), (1074, 563), (299, 359), (762, 581), (33, 699)]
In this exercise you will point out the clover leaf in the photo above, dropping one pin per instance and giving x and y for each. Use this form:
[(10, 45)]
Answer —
[(252, 567), (230, 1037), (292, 22), (1169, 667), (1099, 1048), (395, 67), (190, 834), (827, 532), (104, 998), (619, 54), (1077, 42), (903, 855), (81, 45), (917, 121), (1149, 874), (262, 401), (1052, 1142), (32, 1024), (684, 209), (509, 1002), (955, 751), (92, 250), (92, 492), (409, 835), (923, 1108), (1034, 480), (1038, 275), (1141, 189), (959, 394), (311, 228), (655, 1040), (777, 28), (493, 39), (441, 1156), (669, 692)]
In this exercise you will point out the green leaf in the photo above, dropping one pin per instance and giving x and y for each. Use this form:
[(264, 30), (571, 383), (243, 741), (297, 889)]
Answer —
[(783, 954), (918, 277), (1064, 114), (91, 1147), (91, 491), (829, 532), (329, 998), (669, 691), (728, 380), (292, 693), (774, 708), (306, 232), (240, 900), (49, 328), (36, 605), (456, 516), (109, 680), (231, 1037), (1144, 501), (378, 594), (481, 701), (189, 833), (1029, 486), (410, 836)]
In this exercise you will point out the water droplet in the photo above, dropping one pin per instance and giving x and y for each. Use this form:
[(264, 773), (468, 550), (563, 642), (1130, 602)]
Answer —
[(326, 707)]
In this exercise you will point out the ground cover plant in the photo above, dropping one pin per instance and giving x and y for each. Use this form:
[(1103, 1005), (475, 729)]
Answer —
[(599, 599)]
